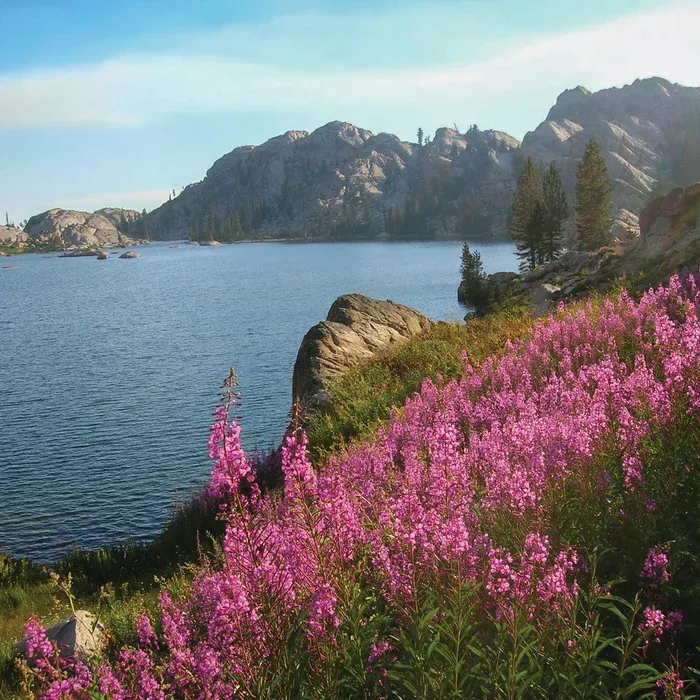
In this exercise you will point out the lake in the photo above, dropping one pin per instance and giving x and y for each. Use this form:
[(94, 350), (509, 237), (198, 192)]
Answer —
[(109, 370)]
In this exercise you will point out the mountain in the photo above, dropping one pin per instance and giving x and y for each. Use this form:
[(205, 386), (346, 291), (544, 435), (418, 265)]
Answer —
[(646, 133), (342, 181)]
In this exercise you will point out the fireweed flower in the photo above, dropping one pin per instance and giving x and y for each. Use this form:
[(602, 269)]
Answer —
[(655, 565), (426, 500)]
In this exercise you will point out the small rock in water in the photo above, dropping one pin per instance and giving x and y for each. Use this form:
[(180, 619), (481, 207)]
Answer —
[(101, 255), (129, 255)]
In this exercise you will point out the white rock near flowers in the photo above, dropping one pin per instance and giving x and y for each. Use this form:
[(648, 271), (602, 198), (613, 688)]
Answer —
[(80, 635)]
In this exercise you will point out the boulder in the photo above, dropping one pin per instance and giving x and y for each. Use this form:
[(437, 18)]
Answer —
[(543, 299), (101, 255), (356, 329), (129, 255), (78, 635)]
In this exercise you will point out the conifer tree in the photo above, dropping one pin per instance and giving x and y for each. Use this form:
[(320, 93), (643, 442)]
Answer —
[(593, 198), (474, 289), (556, 212), (528, 196)]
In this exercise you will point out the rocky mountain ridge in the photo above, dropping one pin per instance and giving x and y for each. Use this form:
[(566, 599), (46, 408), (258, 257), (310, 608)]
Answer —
[(344, 182), (636, 127), (341, 181)]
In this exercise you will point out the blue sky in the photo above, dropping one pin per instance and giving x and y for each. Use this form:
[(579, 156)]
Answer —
[(116, 104)]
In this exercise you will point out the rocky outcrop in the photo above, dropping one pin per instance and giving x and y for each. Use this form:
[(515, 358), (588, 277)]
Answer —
[(669, 231), (356, 329), (669, 240), (120, 218), (12, 236), (129, 255), (634, 125), (79, 635), (64, 229)]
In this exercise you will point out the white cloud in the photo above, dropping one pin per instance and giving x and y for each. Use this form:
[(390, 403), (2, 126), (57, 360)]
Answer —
[(133, 89)]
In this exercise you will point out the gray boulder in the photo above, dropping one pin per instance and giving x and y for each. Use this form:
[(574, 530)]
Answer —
[(356, 329), (543, 299), (79, 635), (129, 255)]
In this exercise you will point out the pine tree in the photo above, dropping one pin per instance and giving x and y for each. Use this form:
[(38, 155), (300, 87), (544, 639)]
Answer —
[(473, 290), (593, 198), (528, 196), (420, 136), (556, 212)]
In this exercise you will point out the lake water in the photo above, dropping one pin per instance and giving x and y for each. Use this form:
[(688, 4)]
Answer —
[(109, 370)]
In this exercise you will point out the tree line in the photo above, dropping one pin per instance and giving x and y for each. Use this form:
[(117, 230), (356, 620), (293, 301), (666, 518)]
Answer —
[(538, 214), (540, 208)]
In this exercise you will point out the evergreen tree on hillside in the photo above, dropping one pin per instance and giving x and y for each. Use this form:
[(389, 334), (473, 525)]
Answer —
[(420, 136), (528, 196), (556, 211), (593, 198), (474, 289)]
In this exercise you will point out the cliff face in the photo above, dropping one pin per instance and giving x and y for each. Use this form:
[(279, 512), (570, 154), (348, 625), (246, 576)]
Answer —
[(344, 181), (64, 229), (637, 127)]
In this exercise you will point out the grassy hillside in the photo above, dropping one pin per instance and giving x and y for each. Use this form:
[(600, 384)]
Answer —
[(526, 525)]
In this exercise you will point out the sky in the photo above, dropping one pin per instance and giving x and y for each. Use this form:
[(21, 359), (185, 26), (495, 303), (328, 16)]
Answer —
[(118, 104)]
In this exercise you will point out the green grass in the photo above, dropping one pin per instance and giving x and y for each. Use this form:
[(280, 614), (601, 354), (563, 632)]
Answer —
[(362, 399), (115, 582)]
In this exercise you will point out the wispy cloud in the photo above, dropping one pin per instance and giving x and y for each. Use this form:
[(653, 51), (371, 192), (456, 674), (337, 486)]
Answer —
[(206, 77)]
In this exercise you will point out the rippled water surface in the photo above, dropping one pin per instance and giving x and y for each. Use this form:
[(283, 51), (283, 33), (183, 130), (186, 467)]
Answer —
[(109, 370)]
